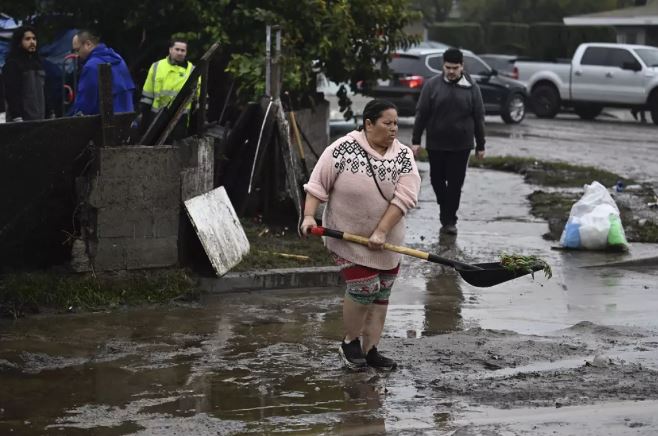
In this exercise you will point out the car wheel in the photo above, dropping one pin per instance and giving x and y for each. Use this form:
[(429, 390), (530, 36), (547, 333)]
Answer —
[(588, 111), (514, 110), (545, 101)]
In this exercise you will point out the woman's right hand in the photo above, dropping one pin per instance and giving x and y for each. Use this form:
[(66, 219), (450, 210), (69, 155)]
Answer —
[(308, 223)]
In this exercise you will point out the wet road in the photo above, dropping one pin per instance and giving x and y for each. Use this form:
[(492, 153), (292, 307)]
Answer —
[(626, 147), (262, 363)]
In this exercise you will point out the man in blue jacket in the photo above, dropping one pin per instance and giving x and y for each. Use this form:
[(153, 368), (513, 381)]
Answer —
[(94, 53)]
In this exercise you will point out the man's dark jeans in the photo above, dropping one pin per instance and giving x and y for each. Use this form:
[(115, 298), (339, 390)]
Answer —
[(447, 173)]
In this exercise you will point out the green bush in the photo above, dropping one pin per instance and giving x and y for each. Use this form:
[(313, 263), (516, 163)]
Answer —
[(576, 35), (469, 36), (509, 38), (555, 40), (547, 40)]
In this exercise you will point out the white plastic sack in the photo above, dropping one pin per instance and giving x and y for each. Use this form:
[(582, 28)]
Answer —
[(589, 223)]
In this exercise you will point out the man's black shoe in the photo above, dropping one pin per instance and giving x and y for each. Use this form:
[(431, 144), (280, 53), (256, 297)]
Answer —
[(378, 361), (352, 354)]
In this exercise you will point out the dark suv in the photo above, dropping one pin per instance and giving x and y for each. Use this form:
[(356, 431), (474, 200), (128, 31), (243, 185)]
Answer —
[(411, 69)]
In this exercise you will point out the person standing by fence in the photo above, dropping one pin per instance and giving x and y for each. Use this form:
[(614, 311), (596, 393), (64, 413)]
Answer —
[(165, 79), (24, 78), (88, 46)]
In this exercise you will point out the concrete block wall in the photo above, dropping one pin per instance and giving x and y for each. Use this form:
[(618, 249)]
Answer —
[(136, 196), (134, 203)]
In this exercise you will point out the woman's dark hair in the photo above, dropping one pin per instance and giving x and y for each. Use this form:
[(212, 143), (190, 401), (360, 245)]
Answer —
[(374, 109), (15, 46)]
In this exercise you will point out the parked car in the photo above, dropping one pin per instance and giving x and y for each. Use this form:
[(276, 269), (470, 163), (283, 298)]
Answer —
[(598, 75), (410, 69), (502, 63)]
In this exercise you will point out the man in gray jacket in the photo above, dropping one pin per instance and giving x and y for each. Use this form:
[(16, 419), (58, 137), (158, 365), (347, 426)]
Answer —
[(451, 111), (24, 78)]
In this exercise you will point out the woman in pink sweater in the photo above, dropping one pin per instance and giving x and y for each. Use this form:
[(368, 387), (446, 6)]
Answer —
[(369, 181)]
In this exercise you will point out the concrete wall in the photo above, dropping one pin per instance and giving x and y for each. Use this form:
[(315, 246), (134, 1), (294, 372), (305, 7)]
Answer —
[(133, 204)]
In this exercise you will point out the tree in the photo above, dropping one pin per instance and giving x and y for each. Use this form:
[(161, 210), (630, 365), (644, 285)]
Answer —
[(530, 11), (433, 10), (347, 40)]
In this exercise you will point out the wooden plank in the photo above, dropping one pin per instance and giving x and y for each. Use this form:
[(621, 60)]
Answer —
[(291, 163), (203, 100), (218, 227)]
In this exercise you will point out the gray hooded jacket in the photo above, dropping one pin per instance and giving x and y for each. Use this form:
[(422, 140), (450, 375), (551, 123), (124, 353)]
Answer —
[(452, 114)]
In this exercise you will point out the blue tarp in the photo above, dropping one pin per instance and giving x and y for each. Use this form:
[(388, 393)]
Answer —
[(7, 26), (4, 50)]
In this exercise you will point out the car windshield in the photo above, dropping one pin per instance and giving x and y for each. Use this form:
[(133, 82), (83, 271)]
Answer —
[(404, 64), (649, 56)]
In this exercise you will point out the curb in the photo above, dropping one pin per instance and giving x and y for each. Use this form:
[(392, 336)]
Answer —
[(644, 261), (282, 278)]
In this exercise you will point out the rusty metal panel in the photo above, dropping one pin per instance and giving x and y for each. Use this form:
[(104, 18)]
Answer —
[(218, 227)]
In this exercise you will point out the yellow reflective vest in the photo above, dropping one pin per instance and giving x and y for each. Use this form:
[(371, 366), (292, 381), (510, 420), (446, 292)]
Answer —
[(163, 83)]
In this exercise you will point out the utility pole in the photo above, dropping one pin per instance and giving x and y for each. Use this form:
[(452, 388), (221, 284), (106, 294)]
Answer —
[(273, 63)]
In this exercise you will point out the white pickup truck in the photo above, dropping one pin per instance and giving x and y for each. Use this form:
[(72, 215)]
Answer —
[(599, 75)]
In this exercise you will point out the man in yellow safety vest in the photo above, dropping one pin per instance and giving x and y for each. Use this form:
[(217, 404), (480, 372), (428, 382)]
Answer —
[(165, 79)]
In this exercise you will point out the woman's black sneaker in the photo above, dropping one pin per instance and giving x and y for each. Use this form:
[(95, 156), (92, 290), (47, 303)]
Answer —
[(377, 361), (352, 354)]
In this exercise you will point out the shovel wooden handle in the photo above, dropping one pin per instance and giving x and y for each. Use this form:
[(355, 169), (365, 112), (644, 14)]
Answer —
[(322, 231)]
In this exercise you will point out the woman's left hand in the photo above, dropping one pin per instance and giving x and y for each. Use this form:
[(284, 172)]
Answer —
[(377, 240)]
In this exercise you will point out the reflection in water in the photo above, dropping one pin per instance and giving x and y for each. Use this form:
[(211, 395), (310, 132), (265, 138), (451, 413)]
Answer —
[(427, 304), (443, 308), (365, 393)]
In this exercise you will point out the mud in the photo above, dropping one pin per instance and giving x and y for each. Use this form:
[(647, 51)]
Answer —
[(260, 364)]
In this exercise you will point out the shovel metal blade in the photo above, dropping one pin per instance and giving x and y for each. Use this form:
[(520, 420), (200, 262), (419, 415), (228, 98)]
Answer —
[(491, 274)]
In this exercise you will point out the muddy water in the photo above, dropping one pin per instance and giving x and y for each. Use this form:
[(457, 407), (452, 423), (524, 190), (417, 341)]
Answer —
[(526, 357), (236, 364)]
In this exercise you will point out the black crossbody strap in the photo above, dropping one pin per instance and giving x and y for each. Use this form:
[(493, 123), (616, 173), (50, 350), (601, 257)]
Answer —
[(374, 176)]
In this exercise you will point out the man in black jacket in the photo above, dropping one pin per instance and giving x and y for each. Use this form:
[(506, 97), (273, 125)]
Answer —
[(451, 111), (24, 78)]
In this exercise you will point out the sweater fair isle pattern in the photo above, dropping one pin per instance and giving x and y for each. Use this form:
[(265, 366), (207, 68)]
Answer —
[(343, 178)]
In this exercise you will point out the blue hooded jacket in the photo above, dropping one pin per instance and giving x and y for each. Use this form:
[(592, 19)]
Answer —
[(86, 101)]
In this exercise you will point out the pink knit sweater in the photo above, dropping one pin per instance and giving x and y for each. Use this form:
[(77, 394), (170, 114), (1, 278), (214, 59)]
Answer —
[(343, 179)]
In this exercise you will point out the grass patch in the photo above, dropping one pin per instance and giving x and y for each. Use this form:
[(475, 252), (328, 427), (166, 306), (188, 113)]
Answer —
[(266, 241), (554, 207), (647, 232), (544, 173), (23, 293)]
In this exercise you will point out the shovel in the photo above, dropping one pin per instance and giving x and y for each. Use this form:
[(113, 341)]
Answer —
[(481, 275)]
